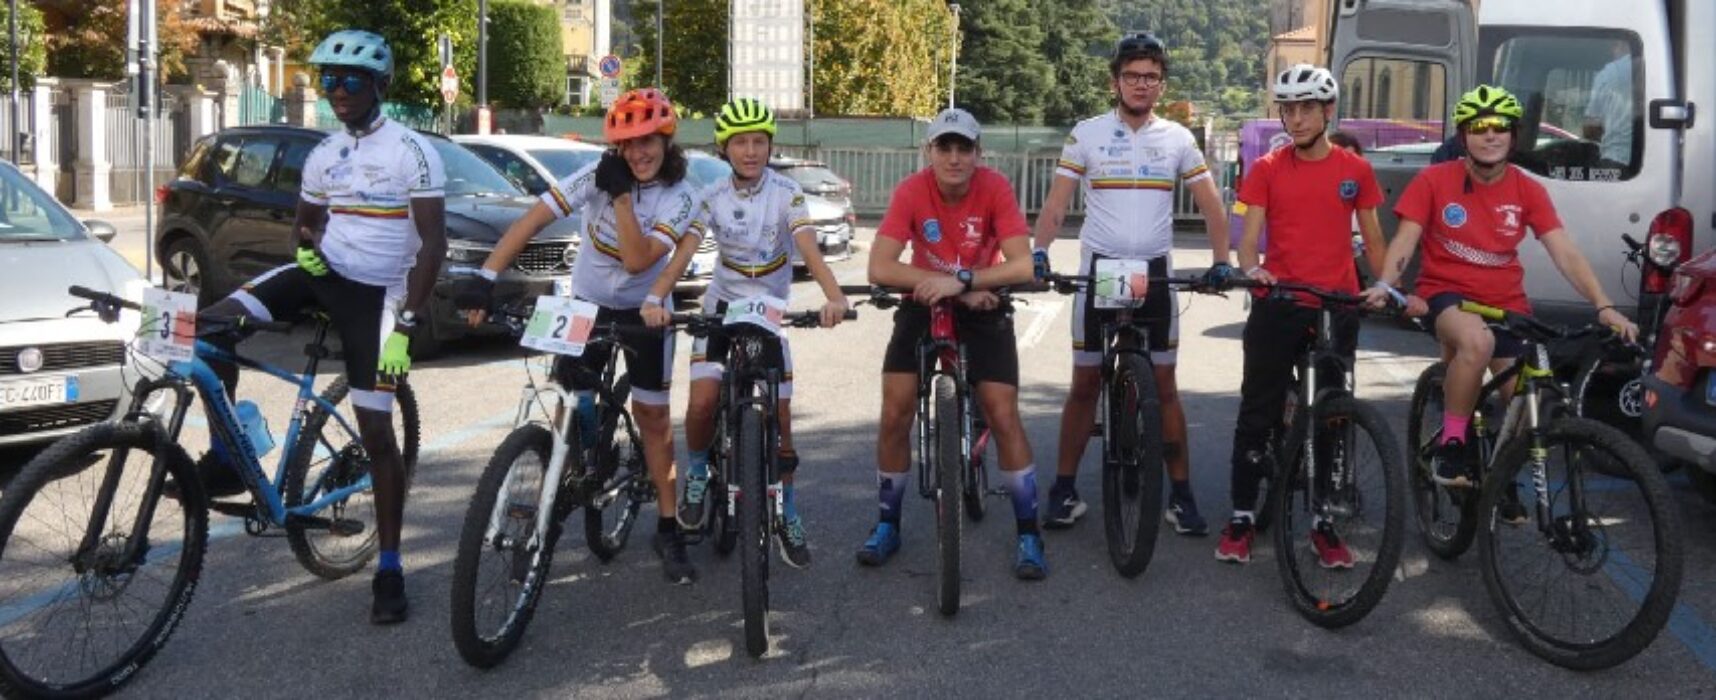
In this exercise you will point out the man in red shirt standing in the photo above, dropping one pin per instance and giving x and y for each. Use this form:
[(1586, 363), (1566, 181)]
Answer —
[(1308, 193), (961, 220)]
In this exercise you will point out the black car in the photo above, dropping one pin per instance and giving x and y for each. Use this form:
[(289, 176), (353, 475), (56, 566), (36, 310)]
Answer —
[(228, 216)]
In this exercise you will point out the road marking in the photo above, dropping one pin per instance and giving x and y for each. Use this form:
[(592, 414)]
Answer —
[(1046, 311)]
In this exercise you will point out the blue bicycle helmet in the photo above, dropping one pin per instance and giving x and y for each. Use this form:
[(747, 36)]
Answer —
[(357, 49)]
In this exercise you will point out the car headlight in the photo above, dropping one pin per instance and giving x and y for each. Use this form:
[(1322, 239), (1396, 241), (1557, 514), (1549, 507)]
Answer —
[(468, 252)]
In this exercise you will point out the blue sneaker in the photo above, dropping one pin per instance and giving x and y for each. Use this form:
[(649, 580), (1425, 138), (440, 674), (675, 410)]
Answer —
[(1030, 565), (1183, 515), (883, 542)]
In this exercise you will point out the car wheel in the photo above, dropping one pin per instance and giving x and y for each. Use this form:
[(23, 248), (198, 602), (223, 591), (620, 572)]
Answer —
[(185, 267)]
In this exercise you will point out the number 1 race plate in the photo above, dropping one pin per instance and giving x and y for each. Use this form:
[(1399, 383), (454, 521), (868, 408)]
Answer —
[(1121, 284)]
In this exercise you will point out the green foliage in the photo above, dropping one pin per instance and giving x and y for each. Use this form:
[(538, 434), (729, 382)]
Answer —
[(880, 57), (527, 65), (1215, 47), (1002, 75), (694, 56), (93, 45), (32, 50), (1076, 42), (411, 28)]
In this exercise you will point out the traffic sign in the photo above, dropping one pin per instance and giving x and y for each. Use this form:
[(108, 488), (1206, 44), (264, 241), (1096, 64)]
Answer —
[(449, 84), (609, 66), (609, 90)]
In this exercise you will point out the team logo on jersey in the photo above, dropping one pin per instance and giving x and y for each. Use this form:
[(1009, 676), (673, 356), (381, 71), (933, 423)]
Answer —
[(1349, 189), (1119, 134), (739, 214), (1454, 215), (797, 200), (344, 152), (1072, 140), (932, 230)]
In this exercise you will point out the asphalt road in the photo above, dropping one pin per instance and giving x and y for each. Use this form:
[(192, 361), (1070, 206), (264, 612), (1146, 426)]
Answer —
[(261, 626)]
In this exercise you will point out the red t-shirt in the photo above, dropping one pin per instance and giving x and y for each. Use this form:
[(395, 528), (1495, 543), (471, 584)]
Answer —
[(949, 236), (1309, 206), (1472, 234)]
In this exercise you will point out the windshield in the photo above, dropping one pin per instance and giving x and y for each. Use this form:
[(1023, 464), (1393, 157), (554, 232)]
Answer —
[(564, 162), (27, 213), (814, 178), (704, 170), (469, 175)]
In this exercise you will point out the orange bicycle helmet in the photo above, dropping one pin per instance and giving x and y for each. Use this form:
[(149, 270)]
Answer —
[(638, 113)]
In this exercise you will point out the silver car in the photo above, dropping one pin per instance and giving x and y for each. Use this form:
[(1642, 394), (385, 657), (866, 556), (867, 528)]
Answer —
[(58, 373)]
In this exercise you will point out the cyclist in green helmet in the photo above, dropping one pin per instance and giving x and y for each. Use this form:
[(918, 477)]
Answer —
[(759, 221)]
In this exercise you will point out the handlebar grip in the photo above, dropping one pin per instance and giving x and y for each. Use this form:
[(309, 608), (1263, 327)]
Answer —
[(82, 292), (855, 289), (850, 315)]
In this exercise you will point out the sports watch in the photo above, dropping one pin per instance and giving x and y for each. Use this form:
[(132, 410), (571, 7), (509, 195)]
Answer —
[(965, 277)]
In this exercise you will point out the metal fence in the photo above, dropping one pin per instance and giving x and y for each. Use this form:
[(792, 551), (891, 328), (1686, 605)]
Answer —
[(415, 116), (26, 122), (126, 133), (256, 106)]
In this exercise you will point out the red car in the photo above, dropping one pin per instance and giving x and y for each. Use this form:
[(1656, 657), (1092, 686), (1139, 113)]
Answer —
[(1680, 394)]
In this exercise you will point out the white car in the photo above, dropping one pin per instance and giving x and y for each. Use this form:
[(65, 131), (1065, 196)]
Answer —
[(535, 161), (58, 372)]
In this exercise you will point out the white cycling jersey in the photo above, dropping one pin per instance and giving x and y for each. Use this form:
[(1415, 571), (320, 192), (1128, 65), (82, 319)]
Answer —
[(367, 183), (755, 231), (1128, 182), (666, 213)]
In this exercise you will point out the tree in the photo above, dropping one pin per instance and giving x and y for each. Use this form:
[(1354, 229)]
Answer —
[(1077, 40), (87, 41), (32, 51), (411, 28), (886, 57), (527, 65), (1003, 76), (292, 24), (1214, 46), (694, 57)]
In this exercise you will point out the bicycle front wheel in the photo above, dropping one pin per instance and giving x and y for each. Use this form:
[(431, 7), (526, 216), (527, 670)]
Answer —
[(949, 466), (621, 481), (1589, 578), (1132, 466), (498, 574), (90, 589), (1447, 518), (340, 539), (1339, 512), (754, 530)]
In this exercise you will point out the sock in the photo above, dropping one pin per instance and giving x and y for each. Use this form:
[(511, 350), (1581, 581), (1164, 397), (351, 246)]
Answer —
[(587, 416), (789, 507), (389, 561), (1063, 484), (1245, 514), (1182, 490), (666, 525), (1022, 486), (1454, 427), (699, 463), (890, 490)]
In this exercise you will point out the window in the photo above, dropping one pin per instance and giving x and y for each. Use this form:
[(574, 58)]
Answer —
[(1583, 96), (291, 175), (1407, 102), (512, 166), (245, 163)]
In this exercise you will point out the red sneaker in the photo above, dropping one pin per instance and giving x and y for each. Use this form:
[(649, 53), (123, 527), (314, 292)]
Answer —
[(1332, 553), (1235, 545)]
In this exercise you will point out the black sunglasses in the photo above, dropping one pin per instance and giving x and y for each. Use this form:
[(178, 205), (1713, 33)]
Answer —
[(352, 82), (1140, 43)]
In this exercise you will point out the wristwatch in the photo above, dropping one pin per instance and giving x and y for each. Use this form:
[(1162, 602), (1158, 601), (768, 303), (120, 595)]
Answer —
[(406, 318), (964, 277)]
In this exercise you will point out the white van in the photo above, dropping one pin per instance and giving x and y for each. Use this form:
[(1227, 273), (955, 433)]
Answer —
[(1612, 92)]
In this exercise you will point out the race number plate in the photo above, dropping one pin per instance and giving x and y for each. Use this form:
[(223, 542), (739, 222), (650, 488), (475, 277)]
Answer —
[(559, 325), (763, 312), (1121, 284), (169, 329)]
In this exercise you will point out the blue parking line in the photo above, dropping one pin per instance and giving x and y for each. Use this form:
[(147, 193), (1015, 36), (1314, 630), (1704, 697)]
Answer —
[(1684, 623)]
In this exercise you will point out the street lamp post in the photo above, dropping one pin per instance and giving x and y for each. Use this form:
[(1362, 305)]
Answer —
[(660, 11), (482, 54), (953, 64), (16, 136)]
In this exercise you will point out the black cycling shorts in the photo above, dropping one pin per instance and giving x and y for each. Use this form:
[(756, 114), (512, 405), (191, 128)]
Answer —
[(992, 353)]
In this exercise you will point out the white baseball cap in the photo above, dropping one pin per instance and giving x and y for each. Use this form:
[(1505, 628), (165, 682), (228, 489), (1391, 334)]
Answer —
[(954, 120)]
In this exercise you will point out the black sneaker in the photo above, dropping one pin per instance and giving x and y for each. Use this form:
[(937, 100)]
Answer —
[(1064, 509), (795, 548), (1449, 465), (391, 606), (1510, 510), (675, 564)]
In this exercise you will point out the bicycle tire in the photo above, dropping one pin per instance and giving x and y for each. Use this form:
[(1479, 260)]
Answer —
[(723, 532), (305, 540), (976, 482), (616, 449), (950, 472), (754, 530), (1607, 396), (76, 457), (1132, 468), (1447, 519), (1665, 533), (1304, 594), (477, 647)]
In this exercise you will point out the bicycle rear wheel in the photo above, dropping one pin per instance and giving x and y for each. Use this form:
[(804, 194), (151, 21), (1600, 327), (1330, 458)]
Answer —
[(1594, 585), (754, 530), (341, 538), (1446, 517), (622, 483), (77, 622), (949, 465), (498, 579), (1132, 466), (1357, 506)]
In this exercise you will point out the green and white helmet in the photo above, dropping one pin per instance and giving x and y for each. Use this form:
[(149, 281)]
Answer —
[(355, 48), (742, 115)]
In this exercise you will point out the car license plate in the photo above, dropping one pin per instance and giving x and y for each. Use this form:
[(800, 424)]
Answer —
[(37, 391)]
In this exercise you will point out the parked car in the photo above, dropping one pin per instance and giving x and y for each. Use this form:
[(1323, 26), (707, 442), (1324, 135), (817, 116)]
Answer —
[(1680, 394), (228, 216), (58, 373), (829, 199), (535, 161)]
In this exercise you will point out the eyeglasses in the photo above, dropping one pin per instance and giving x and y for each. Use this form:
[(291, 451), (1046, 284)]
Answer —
[(1489, 125), (1149, 80), (352, 82)]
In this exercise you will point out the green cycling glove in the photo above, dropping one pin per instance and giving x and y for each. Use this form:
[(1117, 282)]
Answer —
[(311, 261), (396, 354)]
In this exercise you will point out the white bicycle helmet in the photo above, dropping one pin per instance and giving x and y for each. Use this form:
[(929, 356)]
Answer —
[(357, 49), (1306, 82)]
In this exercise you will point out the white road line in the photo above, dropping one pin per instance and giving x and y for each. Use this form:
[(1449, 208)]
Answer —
[(1046, 311)]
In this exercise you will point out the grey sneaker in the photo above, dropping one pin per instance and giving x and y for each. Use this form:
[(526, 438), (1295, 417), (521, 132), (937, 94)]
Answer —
[(795, 549), (693, 510)]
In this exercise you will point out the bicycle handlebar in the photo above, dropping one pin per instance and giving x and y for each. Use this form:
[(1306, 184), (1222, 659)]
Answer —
[(1537, 331), (107, 307)]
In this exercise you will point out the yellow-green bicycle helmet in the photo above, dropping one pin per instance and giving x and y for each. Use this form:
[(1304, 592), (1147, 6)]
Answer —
[(742, 115), (1486, 100)]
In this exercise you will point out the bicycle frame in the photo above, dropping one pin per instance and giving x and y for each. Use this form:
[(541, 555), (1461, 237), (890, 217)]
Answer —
[(1523, 418), (1123, 334), (941, 354), (746, 383), (1321, 353)]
